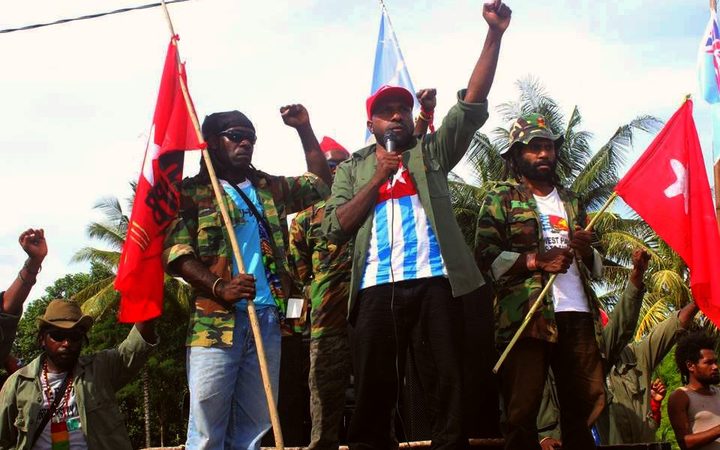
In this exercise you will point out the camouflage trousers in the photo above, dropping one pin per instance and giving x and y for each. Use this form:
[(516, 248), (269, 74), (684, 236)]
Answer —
[(329, 378)]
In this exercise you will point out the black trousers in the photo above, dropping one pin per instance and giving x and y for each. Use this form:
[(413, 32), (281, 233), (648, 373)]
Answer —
[(424, 316)]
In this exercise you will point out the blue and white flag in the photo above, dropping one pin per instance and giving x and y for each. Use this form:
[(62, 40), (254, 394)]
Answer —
[(709, 76), (390, 67)]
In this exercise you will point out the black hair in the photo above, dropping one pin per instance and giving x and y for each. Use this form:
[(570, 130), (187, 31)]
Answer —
[(512, 165), (688, 349)]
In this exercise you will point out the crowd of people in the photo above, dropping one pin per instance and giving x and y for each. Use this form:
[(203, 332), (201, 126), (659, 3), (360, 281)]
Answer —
[(383, 265)]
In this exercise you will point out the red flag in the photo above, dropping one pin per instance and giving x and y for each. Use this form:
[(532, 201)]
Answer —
[(668, 187), (140, 273)]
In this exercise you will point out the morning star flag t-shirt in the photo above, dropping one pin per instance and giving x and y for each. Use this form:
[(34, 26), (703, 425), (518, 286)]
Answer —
[(403, 246), (568, 293)]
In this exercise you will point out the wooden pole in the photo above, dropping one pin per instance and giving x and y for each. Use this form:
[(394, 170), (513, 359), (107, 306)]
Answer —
[(252, 313), (539, 301)]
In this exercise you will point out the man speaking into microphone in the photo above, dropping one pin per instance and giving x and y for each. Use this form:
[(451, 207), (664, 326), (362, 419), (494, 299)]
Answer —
[(410, 261)]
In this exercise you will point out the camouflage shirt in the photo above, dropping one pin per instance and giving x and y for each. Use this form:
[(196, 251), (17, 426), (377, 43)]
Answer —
[(198, 230), (508, 225), (323, 268)]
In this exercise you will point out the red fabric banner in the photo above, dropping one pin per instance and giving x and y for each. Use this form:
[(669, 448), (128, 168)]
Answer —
[(140, 273), (669, 189)]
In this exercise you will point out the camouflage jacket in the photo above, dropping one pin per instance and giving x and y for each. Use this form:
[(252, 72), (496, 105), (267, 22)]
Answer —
[(508, 225), (199, 230), (323, 268)]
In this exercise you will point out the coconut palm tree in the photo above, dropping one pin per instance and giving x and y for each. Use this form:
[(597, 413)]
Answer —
[(592, 174)]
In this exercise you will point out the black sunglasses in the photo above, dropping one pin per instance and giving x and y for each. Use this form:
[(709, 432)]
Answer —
[(238, 136), (64, 335)]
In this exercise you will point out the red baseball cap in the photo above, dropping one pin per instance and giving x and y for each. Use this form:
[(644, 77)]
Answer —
[(386, 91), (329, 144)]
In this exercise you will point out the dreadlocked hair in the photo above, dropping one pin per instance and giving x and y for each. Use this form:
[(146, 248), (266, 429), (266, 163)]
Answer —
[(688, 349)]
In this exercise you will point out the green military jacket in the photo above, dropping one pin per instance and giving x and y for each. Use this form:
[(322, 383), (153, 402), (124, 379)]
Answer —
[(616, 335), (97, 378), (199, 230), (429, 160), (630, 418), (509, 225), (323, 268)]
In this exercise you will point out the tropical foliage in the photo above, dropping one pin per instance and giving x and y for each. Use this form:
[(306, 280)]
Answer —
[(100, 296)]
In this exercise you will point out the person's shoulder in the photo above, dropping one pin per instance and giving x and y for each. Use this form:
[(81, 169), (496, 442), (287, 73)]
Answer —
[(505, 188), (197, 183), (359, 155), (678, 397)]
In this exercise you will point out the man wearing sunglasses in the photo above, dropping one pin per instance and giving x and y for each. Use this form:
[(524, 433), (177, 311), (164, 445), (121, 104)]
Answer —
[(62, 400), (227, 401)]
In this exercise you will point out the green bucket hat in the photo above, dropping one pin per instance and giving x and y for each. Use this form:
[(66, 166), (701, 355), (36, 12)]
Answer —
[(528, 127), (65, 314)]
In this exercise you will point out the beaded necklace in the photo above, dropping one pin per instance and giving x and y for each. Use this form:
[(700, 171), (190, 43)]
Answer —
[(59, 434)]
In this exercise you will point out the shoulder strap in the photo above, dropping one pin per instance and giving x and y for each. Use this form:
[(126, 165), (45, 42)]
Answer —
[(259, 217), (43, 423)]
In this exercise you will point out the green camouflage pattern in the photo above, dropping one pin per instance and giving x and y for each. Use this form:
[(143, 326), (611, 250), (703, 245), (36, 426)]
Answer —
[(531, 126), (508, 223), (198, 230), (328, 379), (323, 269)]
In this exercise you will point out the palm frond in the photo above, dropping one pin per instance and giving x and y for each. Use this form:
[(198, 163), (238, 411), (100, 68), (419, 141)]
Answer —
[(102, 302), (107, 258), (82, 296), (655, 309), (110, 234)]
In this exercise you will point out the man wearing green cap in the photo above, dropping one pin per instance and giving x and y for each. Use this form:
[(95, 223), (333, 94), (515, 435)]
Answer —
[(529, 229), (62, 400)]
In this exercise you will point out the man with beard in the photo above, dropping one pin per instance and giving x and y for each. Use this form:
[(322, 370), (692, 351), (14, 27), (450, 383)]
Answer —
[(228, 408), (528, 229), (62, 400), (694, 409), (410, 261)]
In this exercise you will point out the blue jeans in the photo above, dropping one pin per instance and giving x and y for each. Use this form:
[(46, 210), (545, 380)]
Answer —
[(228, 408)]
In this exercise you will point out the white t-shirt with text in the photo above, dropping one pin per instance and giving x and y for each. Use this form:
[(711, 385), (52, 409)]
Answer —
[(568, 293)]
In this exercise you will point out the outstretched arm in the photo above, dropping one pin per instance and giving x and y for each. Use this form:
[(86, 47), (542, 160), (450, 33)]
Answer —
[(33, 242), (297, 116), (497, 15)]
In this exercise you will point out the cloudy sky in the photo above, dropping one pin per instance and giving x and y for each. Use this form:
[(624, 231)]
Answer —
[(77, 99)]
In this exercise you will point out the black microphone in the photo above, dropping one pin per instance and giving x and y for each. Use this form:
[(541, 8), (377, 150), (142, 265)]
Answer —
[(389, 139)]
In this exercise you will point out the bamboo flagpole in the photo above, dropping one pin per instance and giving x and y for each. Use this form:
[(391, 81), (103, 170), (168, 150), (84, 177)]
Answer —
[(539, 301), (252, 313)]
